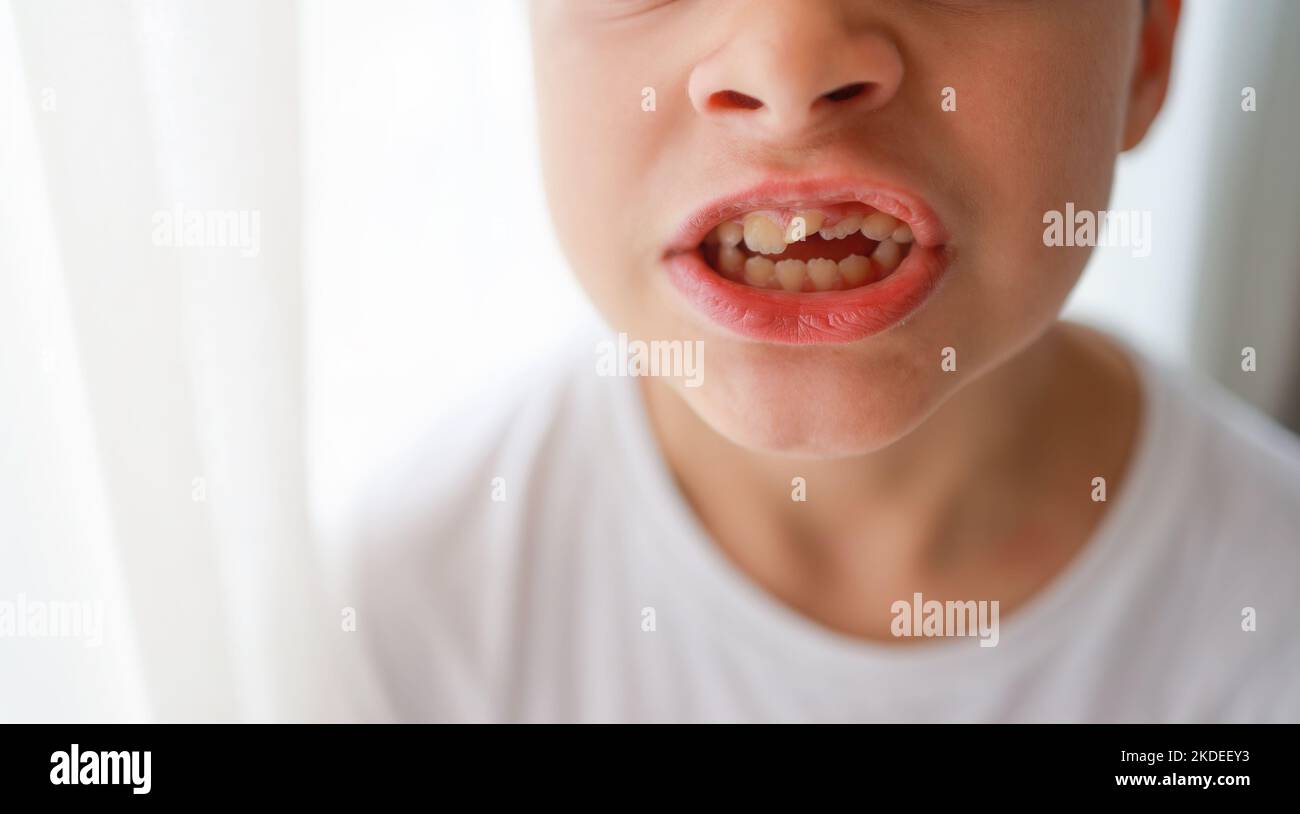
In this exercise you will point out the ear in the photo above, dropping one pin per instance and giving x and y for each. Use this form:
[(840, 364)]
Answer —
[(1151, 68)]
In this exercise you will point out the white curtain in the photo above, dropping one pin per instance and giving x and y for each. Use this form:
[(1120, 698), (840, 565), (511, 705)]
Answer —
[(1223, 187), (1249, 277), (180, 425), (153, 394)]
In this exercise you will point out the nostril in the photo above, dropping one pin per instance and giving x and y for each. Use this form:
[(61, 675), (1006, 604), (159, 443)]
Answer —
[(847, 92), (733, 100)]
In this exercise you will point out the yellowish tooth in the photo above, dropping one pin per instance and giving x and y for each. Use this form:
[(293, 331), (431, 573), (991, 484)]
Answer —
[(823, 273), (888, 254), (730, 233), (903, 234), (812, 221), (791, 273), (731, 261), (844, 228), (759, 271), (855, 269), (763, 235), (879, 226)]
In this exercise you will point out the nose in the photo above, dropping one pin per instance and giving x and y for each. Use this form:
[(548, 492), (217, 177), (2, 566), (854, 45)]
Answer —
[(791, 66)]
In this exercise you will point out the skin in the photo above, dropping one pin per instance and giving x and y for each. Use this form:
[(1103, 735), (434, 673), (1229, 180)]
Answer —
[(962, 485)]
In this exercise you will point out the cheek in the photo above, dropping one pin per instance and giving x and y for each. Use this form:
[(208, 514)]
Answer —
[(1035, 129), (1042, 113), (598, 149), (585, 151)]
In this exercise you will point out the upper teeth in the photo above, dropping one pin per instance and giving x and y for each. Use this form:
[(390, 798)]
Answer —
[(802, 225), (762, 233), (730, 233), (844, 228), (879, 226)]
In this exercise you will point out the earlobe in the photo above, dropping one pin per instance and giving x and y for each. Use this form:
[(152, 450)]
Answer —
[(1151, 68)]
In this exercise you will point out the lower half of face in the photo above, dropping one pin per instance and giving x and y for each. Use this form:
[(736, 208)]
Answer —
[(840, 397), (844, 283)]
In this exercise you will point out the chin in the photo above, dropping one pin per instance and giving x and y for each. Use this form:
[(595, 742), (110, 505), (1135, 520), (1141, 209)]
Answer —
[(844, 417)]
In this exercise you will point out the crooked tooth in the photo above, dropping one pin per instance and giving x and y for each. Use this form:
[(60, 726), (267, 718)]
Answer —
[(759, 271), (791, 273), (823, 273), (842, 229), (812, 221), (855, 269), (879, 226), (730, 233), (763, 235), (888, 254), (731, 261), (903, 234)]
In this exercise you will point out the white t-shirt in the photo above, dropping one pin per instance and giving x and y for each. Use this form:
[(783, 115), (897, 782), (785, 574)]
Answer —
[(531, 608)]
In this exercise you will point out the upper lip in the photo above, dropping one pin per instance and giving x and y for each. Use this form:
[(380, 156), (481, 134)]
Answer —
[(810, 193)]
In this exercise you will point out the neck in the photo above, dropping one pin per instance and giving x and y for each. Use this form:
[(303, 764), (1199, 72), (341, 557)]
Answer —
[(1005, 462)]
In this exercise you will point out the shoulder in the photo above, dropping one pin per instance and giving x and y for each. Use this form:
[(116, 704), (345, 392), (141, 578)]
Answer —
[(435, 563), (487, 454), (1223, 489), (1234, 463)]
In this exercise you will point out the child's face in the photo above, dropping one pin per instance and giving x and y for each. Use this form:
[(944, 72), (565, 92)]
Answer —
[(968, 118)]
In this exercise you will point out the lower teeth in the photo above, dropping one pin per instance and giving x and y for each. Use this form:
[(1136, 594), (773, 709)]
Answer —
[(817, 274)]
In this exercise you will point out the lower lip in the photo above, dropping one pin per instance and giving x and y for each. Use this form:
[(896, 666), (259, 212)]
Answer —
[(818, 318)]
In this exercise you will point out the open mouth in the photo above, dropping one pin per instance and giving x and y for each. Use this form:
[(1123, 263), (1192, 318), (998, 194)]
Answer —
[(827, 248), (811, 261)]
